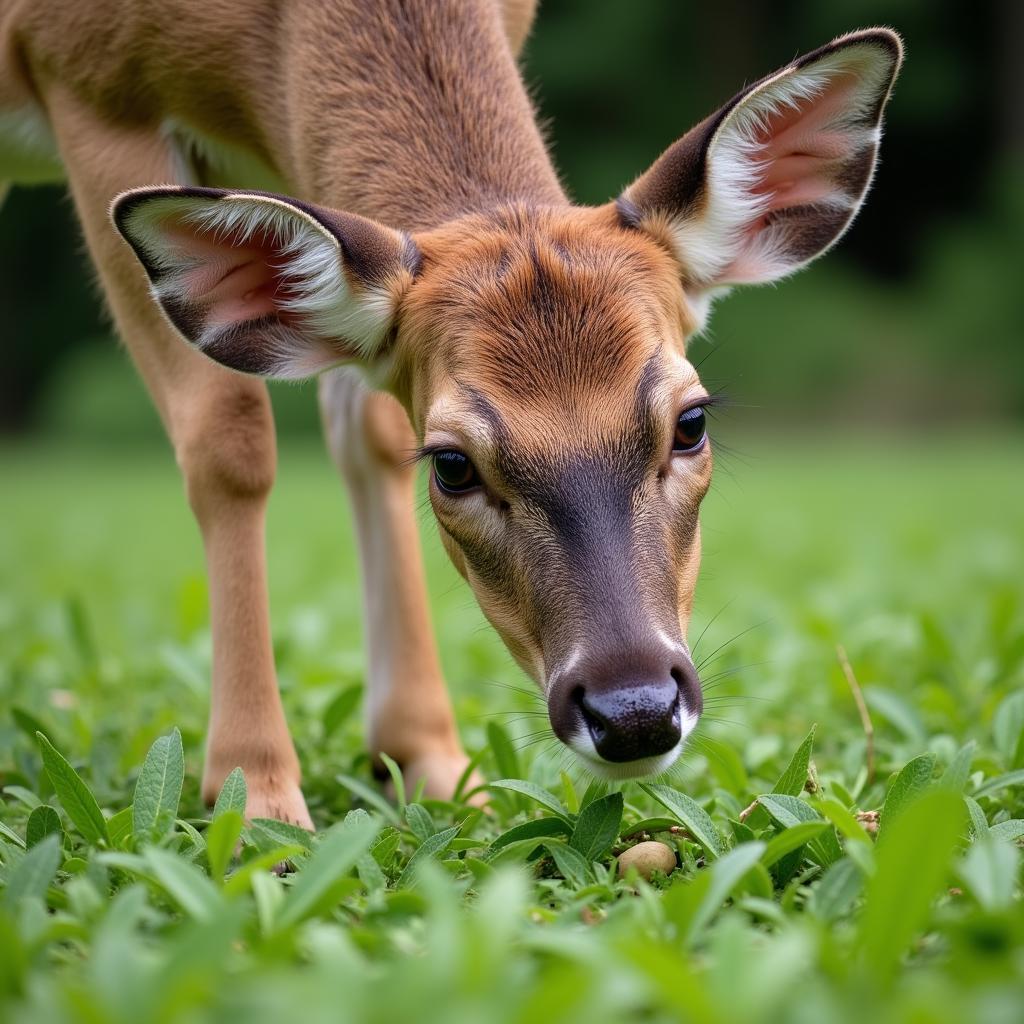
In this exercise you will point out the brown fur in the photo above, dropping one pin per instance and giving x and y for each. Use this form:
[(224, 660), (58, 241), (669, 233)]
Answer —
[(545, 341)]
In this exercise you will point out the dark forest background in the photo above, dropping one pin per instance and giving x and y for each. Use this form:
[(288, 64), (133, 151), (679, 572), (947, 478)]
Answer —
[(915, 321)]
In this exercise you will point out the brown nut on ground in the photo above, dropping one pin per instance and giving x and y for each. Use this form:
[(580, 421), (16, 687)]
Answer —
[(647, 858)]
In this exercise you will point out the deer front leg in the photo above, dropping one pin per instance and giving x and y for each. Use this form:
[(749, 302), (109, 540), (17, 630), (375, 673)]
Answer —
[(409, 715), (221, 427)]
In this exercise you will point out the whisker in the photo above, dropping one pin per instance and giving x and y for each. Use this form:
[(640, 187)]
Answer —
[(717, 678), (722, 647), (710, 623)]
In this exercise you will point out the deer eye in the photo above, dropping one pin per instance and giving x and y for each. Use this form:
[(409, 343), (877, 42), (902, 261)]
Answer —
[(454, 473), (691, 430)]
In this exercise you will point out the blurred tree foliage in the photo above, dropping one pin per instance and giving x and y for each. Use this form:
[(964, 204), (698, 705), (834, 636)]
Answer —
[(917, 316)]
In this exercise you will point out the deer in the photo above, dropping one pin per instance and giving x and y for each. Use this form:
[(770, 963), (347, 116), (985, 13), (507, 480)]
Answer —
[(358, 191)]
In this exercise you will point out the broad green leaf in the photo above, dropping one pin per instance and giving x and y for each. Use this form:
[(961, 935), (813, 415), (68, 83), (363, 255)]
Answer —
[(340, 708), (989, 871), (431, 847), (537, 827), (1008, 831), (959, 769), (269, 832), (692, 905), (791, 839), (332, 860), (386, 844), (978, 821), (467, 843), (233, 794), (370, 796), (912, 868), (534, 792), (839, 887), (397, 779), (689, 813), (420, 821), (119, 827), (184, 883), (794, 778), (42, 822), (788, 811), (913, 779), (571, 864), (515, 851), (653, 825), (75, 797), (843, 819), (221, 839), (158, 790), (597, 827), (33, 875), (596, 789)]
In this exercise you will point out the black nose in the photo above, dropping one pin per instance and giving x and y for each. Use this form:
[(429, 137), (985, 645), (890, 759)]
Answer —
[(628, 723)]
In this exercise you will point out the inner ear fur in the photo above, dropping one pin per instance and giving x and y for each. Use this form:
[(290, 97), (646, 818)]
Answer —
[(775, 177), (265, 284)]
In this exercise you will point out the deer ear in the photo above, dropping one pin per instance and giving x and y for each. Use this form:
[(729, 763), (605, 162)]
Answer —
[(774, 178), (265, 284)]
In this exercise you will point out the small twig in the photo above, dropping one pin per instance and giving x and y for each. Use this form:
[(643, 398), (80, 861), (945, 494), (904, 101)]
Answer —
[(748, 811), (862, 708)]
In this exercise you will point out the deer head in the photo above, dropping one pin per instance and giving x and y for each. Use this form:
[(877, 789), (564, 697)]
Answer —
[(540, 352)]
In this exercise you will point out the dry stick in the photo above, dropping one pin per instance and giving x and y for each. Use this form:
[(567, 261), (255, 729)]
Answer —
[(748, 811), (862, 708)]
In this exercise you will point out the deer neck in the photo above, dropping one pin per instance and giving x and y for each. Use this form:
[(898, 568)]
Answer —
[(417, 115)]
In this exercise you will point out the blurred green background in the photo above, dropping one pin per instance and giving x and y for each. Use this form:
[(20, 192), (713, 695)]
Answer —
[(915, 321)]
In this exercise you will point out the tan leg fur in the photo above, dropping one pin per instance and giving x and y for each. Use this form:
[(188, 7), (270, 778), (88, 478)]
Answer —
[(223, 435), (409, 715)]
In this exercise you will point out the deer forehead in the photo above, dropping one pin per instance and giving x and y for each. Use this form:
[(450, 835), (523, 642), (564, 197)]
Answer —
[(552, 319)]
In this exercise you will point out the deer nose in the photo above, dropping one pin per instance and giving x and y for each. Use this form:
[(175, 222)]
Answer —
[(631, 722)]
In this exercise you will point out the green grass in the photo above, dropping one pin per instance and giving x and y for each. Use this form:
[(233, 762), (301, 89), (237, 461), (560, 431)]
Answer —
[(125, 904)]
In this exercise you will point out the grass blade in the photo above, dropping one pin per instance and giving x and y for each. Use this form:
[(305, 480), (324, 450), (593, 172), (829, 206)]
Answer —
[(794, 778), (332, 860)]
